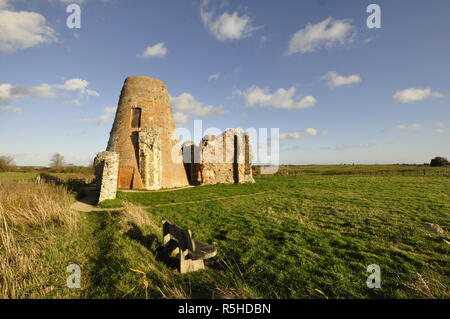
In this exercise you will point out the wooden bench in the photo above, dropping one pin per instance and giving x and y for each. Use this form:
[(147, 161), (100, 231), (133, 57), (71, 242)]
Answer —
[(192, 252)]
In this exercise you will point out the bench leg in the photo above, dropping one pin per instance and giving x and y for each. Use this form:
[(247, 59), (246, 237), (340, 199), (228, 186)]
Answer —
[(166, 239), (173, 249), (189, 265), (174, 252)]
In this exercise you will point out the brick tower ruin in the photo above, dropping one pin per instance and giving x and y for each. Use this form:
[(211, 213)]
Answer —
[(143, 150), (143, 134)]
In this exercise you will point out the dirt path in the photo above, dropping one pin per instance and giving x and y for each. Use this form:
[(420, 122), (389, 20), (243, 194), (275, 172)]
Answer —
[(84, 206)]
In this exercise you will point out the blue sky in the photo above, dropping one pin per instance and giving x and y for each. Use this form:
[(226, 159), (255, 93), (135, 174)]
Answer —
[(338, 91)]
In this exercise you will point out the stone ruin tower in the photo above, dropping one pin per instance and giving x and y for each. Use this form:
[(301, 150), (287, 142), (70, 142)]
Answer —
[(143, 150), (144, 137)]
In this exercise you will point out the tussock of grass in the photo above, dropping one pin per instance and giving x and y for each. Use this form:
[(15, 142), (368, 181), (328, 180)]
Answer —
[(27, 204), (15, 265), (27, 209), (139, 217)]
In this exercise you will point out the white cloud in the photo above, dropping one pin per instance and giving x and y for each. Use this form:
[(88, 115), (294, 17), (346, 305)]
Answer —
[(4, 4), (348, 147), (79, 85), (9, 93), (72, 1), (72, 101), (180, 117), (281, 98), (186, 105), (291, 136), (91, 92), (23, 30), (44, 90), (8, 108), (108, 113), (312, 131), (323, 34), (228, 26), (440, 127), (86, 120), (334, 79), (156, 51), (412, 127), (300, 135), (295, 148), (213, 77), (412, 95), (75, 84)]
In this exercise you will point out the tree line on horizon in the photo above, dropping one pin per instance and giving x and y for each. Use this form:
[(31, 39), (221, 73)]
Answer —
[(57, 164)]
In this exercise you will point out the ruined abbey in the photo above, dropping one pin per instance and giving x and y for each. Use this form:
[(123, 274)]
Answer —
[(143, 150)]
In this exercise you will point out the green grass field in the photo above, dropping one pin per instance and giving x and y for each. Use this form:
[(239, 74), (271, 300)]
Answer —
[(311, 236), (308, 236), (16, 176), (377, 170), (19, 176)]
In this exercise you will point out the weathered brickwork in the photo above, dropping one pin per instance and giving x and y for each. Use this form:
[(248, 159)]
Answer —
[(143, 151), (225, 158), (106, 172), (144, 104), (150, 163), (191, 159)]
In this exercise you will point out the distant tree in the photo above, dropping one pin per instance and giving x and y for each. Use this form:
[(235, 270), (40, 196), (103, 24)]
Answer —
[(6, 163), (57, 161), (439, 161)]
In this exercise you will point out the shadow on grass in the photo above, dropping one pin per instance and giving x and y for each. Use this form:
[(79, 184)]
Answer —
[(221, 278), (136, 234), (124, 252)]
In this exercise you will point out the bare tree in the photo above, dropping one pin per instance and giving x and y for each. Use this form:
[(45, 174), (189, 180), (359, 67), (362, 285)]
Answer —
[(57, 161), (6, 163)]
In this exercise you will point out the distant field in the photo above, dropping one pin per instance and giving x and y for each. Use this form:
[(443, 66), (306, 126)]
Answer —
[(14, 176), (311, 235), (403, 170)]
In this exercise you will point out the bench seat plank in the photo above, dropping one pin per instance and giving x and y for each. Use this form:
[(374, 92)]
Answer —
[(203, 251)]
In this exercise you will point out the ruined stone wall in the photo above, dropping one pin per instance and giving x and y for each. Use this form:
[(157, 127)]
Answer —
[(106, 166), (144, 150), (191, 160), (150, 162), (226, 158), (148, 98)]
